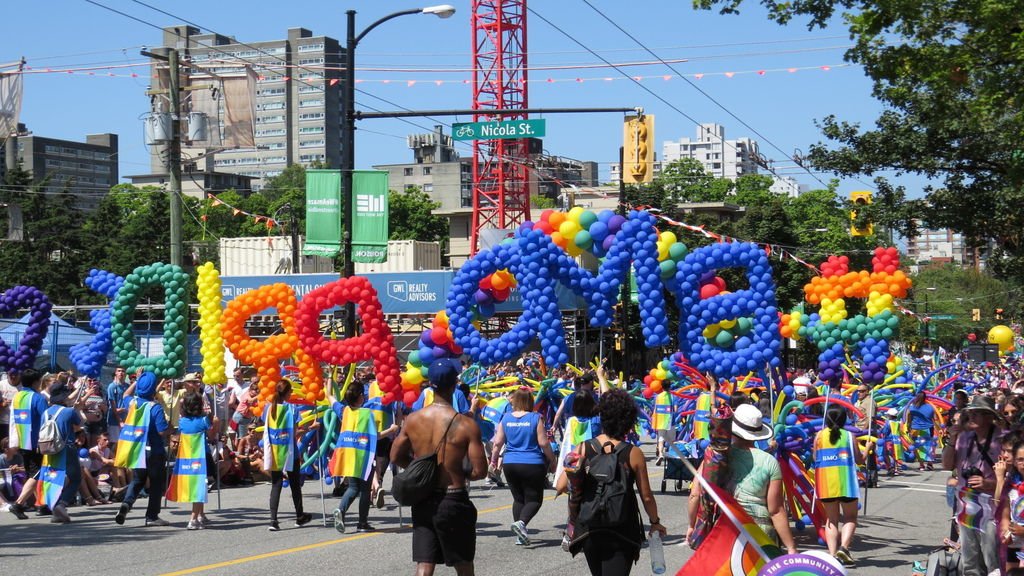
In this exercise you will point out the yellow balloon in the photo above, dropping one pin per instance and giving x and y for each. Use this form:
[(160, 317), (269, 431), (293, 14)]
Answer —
[(569, 229), (1003, 336), (211, 341), (667, 237), (727, 324), (574, 215)]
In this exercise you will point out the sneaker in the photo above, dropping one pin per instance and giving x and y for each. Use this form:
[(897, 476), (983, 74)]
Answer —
[(274, 527), (204, 521), (19, 511), (339, 520), (60, 514), (303, 519), (156, 522), (194, 525), (521, 542), (519, 529), (379, 500), (365, 527), (44, 511), (659, 460), (565, 542), (843, 555), (121, 513)]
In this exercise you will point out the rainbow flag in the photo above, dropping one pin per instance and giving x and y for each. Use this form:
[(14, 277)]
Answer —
[(428, 397), (20, 429), (495, 409), (702, 417), (735, 546), (278, 438), (52, 476), (835, 470), (356, 446), (894, 441), (383, 415), (662, 419), (188, 481), (973, 509), (131, 445)]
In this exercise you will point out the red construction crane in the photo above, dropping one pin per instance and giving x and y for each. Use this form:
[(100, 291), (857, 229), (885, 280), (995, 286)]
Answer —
[(501, 190)]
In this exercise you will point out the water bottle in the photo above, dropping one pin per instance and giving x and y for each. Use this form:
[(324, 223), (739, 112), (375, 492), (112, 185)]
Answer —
[(657, 554)]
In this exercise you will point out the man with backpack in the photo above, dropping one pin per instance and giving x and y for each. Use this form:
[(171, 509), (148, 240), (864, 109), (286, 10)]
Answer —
[(60, 453), (27, 410), (444, 520)]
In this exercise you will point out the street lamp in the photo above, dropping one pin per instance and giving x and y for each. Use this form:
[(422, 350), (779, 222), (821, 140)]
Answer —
[(348, 132)]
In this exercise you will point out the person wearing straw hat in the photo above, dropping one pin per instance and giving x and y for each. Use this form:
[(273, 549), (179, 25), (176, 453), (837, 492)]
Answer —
[(971, 452), (756, 481)]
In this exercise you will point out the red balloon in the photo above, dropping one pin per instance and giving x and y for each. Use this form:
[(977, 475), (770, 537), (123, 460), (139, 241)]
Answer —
[(709, 291), (375, 336)]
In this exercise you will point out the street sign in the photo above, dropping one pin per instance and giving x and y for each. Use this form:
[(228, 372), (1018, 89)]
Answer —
[(498, 130), (942, 317)]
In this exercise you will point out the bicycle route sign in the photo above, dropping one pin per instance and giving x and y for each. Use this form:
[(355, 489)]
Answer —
[(511, 129)]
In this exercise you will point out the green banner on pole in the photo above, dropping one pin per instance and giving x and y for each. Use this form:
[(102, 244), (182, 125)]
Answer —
[(369, 216), (323, 213)]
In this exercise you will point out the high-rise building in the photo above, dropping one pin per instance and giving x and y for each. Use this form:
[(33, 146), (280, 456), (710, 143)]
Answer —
[(939, 246), (87, 169), (720, 157), (298, 97)]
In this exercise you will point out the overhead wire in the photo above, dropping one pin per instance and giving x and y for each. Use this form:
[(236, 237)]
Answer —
[(694, 85), (635, 81)]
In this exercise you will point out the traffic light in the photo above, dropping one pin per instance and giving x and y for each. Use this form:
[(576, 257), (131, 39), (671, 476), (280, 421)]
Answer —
[(637, 156), (999, 313), (976, 315), (860, 226)]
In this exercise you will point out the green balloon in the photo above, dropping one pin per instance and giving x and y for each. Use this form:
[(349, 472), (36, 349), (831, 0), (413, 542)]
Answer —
[(744, 325), (724, 339), (887, 333), (583, 240), (586, 219), (668, 268), (677, 251)]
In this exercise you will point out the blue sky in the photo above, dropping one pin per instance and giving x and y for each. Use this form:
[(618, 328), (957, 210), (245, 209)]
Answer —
[(780, 104)]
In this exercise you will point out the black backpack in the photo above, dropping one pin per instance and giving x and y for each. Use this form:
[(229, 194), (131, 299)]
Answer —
[(419, 480), (608, 499)]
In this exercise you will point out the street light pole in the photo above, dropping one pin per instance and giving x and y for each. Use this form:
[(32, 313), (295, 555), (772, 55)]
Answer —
[(348, 134)]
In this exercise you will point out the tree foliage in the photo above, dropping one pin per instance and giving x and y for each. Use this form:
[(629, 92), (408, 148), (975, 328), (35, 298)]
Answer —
[(412, 218), (949, 75), (53, 248)]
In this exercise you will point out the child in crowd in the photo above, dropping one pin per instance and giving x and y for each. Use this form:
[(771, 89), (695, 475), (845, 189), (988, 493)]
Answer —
[(12, 473)]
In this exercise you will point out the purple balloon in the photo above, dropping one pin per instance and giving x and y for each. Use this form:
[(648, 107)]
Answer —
[(14, 299), (482, 297), (615, 223)]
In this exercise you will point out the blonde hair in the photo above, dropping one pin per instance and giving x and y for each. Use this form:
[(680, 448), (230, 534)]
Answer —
[(522, 400)]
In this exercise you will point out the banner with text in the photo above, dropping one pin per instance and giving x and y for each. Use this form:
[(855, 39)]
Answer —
[(323, 213), (369, 216)]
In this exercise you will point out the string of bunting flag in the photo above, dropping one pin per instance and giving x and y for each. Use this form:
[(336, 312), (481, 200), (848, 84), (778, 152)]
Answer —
[(106, 71), (770, 249), (257, 218)]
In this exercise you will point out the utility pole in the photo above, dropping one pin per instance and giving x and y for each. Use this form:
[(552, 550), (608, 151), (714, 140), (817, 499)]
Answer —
[(293, 226), (625, 293), (173, 146), (174, 156)]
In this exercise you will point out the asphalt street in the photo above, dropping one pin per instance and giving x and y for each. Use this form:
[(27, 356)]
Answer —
[(906, 518)]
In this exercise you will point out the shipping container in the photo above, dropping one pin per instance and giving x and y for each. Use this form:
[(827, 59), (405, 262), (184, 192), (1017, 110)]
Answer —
[(406, 256), (262, 255)]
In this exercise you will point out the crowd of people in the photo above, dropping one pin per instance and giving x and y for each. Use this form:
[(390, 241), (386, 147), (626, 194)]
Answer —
[(68, 441)]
